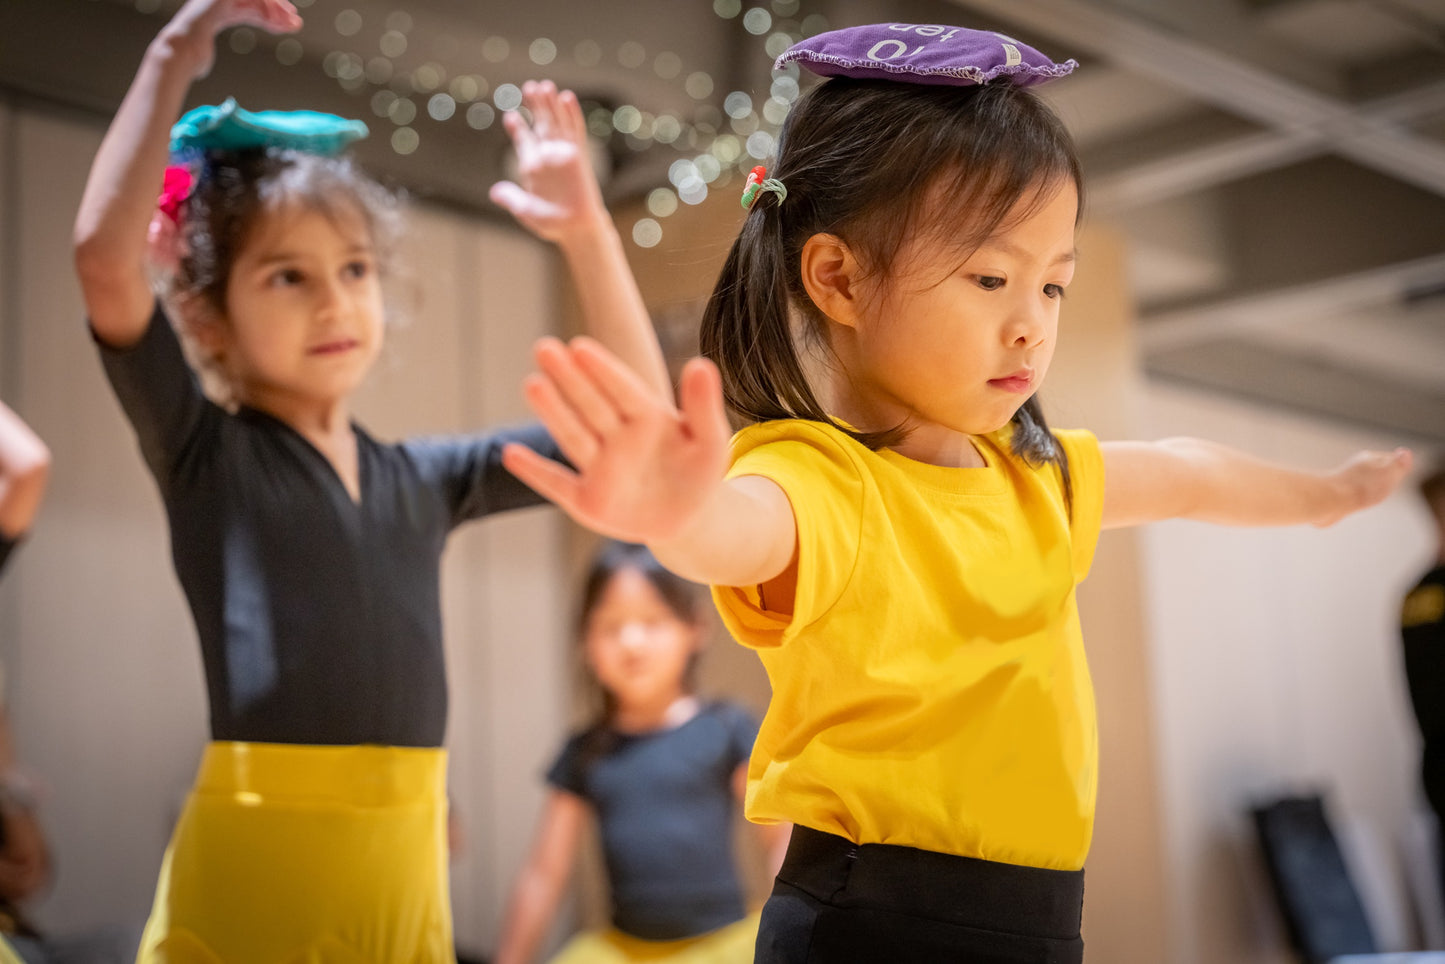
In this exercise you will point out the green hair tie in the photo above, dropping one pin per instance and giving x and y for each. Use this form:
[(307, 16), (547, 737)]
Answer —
[(758, 182)]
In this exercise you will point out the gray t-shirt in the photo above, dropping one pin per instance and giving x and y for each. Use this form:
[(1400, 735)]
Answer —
[(664, 802)]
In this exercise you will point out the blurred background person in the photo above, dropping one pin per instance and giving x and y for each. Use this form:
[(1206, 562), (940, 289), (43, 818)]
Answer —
[(661, 770), (1422, 628)]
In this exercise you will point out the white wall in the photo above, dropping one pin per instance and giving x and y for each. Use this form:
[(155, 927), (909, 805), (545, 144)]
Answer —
[(104, 673), (1277, 668)]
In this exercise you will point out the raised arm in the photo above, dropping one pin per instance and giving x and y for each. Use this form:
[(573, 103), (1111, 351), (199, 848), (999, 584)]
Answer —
[(24, 468), (1185, 478), (649, 472), (120, 194), (559, 200), (541, 881)]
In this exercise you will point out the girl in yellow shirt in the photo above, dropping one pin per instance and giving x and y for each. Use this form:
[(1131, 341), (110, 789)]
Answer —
[(898, 533)]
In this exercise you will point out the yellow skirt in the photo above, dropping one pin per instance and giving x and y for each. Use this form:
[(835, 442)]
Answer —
[(733, 944), (288, 854)]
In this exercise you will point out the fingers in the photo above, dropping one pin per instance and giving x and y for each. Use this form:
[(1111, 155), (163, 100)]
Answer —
[(282, 15), (579, 388), (522, 137), (621, 385), (572, 435), (513, 198), (540, 97), (273, 16), (570, 114), (555, 114), (548, 479), (700, 398)]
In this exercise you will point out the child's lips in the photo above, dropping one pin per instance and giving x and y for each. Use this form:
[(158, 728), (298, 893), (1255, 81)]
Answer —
[(335, 347), (1020, 383)]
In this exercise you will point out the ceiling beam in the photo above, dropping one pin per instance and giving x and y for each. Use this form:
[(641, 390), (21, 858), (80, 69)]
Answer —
[(1308, 384), (1180, 328), (1298, 113), (1235, 155)]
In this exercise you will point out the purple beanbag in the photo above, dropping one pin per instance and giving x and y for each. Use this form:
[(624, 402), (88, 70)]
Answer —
[(923, 54)]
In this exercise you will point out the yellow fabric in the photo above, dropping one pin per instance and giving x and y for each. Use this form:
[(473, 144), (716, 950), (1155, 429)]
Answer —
[(289, 854), (733, 944), (1423, 606), (930, 688), (7, 953)]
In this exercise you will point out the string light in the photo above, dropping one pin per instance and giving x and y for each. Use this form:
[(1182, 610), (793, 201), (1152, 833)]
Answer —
[(404, 140), (243, 40), (661, 202), (507, 97), (379, 70), (289, 52), (725, 138), (757, 21), (646, 233), (393, 44), (348, 23), (480, 116), (631, 55), (441, 107)]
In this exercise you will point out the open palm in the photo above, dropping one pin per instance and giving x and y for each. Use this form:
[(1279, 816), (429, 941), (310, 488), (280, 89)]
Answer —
[(643, 470), (210, 17), (558, 192)]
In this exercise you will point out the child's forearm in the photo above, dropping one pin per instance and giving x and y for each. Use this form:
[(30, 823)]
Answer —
[(612, 306), (1214, 483), (744, 535), (533, 902), (1233, 488), (120, 193)]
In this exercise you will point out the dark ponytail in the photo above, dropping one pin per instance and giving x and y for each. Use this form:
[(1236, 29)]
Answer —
[(747, 329)]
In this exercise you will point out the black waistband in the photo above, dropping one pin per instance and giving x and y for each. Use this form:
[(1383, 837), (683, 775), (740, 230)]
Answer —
[(1029, 901)]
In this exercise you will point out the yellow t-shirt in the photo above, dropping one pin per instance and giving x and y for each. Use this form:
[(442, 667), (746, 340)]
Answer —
[(930, 687)]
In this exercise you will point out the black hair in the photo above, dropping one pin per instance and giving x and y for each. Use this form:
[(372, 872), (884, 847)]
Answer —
[(235, 188), (877, 163)]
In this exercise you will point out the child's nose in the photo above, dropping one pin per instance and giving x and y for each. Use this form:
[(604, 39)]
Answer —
[(1027, 326), (331, 297), (633, 635)]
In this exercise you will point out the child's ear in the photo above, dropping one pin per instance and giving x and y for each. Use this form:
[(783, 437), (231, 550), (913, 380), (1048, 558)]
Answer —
[(830, 275), (204, 325)]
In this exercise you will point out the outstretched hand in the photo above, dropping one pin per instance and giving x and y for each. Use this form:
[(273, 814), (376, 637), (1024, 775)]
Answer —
[(558, 193), (199, 21), (1366, 478), (644, 470)]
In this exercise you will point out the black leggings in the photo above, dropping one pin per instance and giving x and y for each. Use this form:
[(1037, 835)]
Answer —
[(835, 901)]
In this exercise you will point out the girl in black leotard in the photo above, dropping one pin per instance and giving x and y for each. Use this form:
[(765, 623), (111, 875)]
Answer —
[(308, 551)]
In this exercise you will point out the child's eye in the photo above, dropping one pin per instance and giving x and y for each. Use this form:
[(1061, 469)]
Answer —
[(358, 269), (989, 282), (287, 277), (1054, 291)]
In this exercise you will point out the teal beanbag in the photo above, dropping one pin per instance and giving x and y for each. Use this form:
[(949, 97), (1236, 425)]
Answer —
[(228, 127)]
